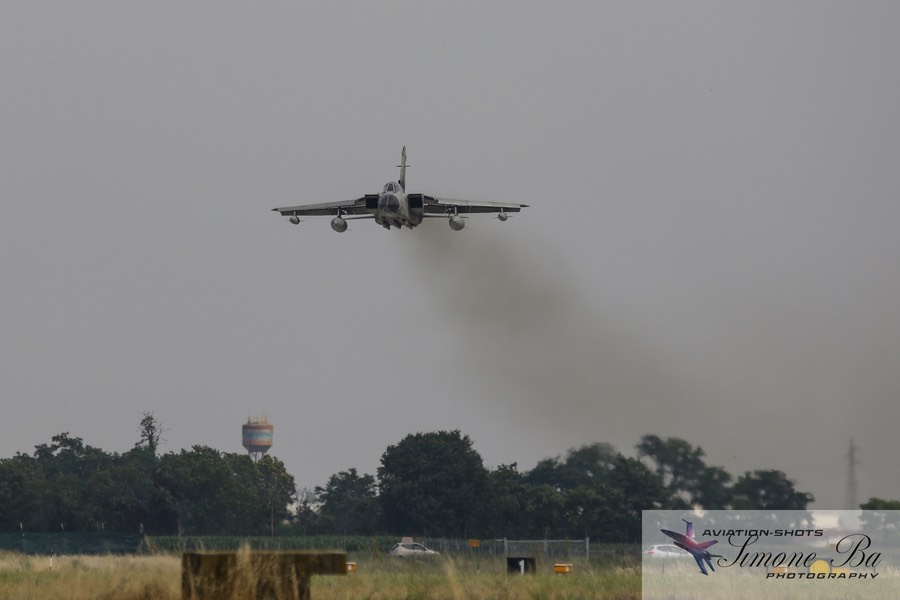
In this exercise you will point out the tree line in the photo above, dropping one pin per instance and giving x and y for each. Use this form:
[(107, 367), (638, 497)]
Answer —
[(70, 486), (432, 484), (436, 484)]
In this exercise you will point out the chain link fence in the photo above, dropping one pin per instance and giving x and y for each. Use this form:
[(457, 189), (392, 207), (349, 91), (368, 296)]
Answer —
[(72, 543)]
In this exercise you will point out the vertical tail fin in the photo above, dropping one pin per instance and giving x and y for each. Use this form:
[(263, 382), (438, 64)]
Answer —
[(402, 166), (689, 530)]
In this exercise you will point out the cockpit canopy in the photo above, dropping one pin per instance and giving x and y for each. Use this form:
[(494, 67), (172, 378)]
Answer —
[(392, 186)]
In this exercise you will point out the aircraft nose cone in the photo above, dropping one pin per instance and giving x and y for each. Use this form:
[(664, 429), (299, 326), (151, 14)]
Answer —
[(389, 202)]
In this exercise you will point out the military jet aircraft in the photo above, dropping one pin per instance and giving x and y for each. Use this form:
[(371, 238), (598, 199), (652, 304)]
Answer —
[(394, 207), (698, 550)]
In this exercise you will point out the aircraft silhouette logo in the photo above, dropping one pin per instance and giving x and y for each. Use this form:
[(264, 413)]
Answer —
[(698, 550)]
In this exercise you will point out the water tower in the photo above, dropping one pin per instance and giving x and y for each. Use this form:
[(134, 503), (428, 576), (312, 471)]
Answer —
[(257, 436)]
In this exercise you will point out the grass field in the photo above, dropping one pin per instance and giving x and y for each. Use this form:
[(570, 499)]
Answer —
[(680, 580), (379, 577)]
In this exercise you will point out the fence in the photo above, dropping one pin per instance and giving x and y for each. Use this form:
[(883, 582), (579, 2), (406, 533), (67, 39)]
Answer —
[(549, 549), (72, 543), (127, 543), (507, 547)]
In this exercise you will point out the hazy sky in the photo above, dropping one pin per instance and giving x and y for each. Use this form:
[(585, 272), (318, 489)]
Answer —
[(711, 250)]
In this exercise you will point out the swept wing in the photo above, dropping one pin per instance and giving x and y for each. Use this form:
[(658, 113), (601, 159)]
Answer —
[(444, 205), (346, 207)]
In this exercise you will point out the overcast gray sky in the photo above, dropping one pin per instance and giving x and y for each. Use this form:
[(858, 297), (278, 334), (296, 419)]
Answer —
[(711, 249)]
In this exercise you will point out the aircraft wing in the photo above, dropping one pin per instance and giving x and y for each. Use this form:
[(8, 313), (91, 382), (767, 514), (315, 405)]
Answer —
[(444, 205), (347, 207), (699, 560), (679, 538)]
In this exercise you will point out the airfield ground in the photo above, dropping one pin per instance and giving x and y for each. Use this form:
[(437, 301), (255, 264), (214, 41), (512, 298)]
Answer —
[(379, 577), (158, 577)]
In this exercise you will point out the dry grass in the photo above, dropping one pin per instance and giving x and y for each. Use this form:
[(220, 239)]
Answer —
[(158, 577), (685, 583), (89, 577), (463, 579), (379, 577)]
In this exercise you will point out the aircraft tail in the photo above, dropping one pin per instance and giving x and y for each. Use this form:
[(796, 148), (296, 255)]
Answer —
[(402, 166)]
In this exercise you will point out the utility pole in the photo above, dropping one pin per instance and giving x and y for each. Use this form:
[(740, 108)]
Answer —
[(852, 462)]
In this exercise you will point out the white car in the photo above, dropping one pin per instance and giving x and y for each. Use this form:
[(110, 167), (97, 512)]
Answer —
[(411, 549), (665, 551)]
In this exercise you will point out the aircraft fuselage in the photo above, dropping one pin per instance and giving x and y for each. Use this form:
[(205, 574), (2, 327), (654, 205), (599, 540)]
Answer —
[(393, 210), (396, 208)]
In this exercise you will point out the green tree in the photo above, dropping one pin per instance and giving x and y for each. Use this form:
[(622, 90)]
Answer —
[(879, 504), (21, 487), (712, 489), (305, 518), (588, 465), (768, 490), (639, 489), (128, 497), (349, 504), (601, 493), (69, 484), (881, 519), (151, 431), (543, 511), (547, 472), (682, 470), (501, 513), (584, 466), (213, 492), (73, 478), (278, 489), (431, 482)]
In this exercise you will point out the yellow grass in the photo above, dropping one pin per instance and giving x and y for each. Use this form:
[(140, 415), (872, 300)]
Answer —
[(684, 582), (89, 577), (378, 577)]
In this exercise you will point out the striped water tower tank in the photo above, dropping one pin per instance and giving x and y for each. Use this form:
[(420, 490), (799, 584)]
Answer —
[(257, 436)]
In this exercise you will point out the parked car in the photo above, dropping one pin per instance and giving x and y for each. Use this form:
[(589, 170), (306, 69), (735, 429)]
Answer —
[(665, 551), (411, 549)]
